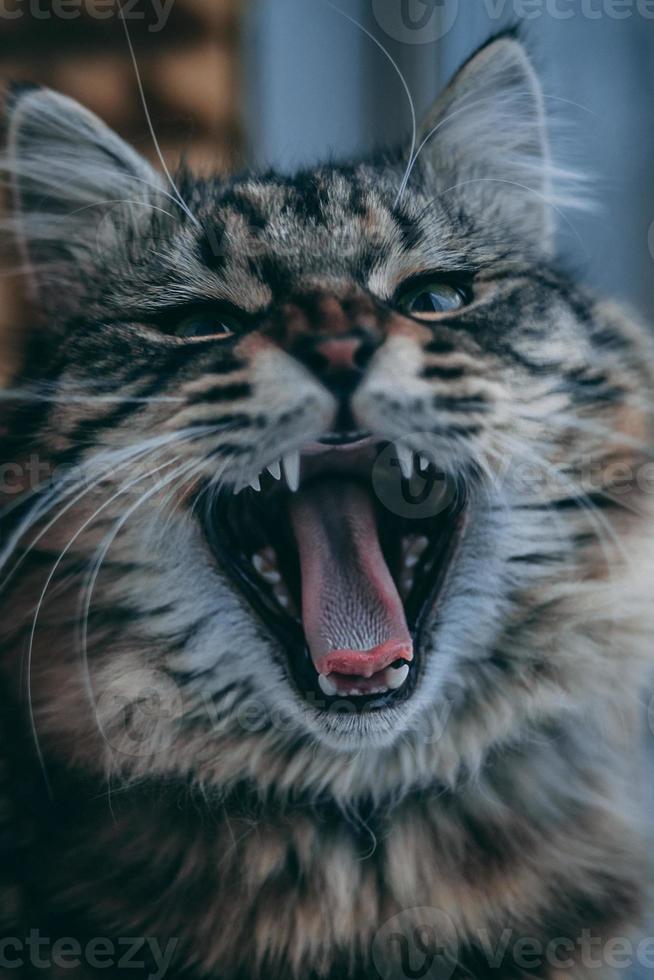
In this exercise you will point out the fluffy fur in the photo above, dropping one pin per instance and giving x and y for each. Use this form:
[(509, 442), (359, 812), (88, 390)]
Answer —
[(192, 792)]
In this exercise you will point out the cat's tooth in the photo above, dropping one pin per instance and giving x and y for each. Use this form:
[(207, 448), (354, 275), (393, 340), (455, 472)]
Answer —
[(266, 569), (413, 549), (275, 469), (425, 463), (255, 484), (396, 676), (291, 464), (405, 457), (260, 564), (326, 686), (406, 582)]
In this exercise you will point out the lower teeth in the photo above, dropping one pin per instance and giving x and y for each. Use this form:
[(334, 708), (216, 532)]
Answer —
[(265, 563), (412, 550), (394, 678)]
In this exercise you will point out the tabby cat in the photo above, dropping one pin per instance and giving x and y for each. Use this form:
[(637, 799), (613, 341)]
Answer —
[(327, 553)]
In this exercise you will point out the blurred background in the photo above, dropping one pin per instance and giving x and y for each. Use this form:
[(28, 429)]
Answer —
[(287, 82)]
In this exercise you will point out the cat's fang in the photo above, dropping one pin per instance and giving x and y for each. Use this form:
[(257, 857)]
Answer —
[(326, 686), (405, 459), (291, 465), (396, 676)]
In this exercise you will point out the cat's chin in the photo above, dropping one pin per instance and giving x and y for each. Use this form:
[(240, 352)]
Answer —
[(343, 566)]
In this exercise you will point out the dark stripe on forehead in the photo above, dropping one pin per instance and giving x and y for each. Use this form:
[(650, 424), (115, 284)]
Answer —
[(410, 232), (358, 203), (370, 258), (310, 198), (271, 271), (211, 247), (253, 213)]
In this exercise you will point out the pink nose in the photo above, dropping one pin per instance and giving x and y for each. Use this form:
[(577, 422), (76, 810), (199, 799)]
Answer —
[(340, 352)]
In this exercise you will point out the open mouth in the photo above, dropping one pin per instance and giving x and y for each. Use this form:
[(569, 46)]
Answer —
[(342, 550)]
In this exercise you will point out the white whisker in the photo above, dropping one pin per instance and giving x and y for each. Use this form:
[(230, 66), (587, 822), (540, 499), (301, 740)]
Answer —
[(405, 86), (178, 197)]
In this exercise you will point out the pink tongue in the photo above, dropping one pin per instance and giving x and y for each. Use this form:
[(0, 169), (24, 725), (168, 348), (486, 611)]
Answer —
[(353, 616)]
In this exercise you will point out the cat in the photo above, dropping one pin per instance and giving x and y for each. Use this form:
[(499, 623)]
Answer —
[(327, 550)]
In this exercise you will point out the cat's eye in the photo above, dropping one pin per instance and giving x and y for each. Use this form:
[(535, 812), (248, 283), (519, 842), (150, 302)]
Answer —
[(430, 299), (207, 324)]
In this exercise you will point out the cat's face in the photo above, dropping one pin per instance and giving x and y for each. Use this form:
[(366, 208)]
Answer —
[(339, 431)]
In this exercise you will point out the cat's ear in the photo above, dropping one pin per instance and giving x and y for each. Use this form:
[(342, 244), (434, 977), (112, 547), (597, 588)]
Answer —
[(486, 138), (77, 187)]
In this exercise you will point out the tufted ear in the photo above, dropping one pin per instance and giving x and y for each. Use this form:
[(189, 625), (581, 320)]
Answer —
[(486, 139), (77, 188)]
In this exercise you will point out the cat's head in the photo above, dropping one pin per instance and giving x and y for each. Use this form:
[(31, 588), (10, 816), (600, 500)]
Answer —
[(337, 422)]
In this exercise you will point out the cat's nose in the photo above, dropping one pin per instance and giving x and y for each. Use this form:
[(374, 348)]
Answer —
[(339, 361), (339, 353)]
